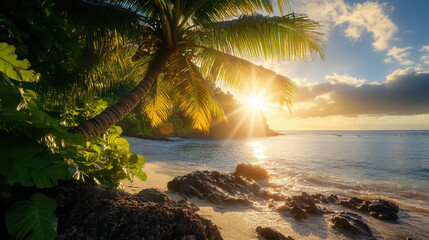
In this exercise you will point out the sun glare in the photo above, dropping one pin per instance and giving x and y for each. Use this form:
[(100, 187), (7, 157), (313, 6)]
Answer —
[(255, 103)]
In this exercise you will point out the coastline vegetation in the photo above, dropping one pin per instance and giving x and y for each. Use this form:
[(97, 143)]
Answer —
[(71, 69)]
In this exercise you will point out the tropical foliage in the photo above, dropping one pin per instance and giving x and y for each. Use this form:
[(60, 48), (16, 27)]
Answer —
[(36, 150), (164, 56), (189, 45)]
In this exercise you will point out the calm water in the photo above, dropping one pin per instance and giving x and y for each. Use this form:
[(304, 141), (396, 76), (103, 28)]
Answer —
[(369, 164)]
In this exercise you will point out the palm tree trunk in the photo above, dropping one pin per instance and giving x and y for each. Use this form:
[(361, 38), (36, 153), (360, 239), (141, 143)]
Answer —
[(95, 126)]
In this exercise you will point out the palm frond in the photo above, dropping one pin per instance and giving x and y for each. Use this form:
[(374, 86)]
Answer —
[(148, 8), (158, 104), (194, 96), (258, 37), (204, 11), (244, 77)]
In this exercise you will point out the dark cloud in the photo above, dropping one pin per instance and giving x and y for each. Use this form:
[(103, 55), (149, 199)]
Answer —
[(406, 92)]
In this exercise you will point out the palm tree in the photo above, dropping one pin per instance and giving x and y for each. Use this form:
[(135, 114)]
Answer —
[(188, 45)]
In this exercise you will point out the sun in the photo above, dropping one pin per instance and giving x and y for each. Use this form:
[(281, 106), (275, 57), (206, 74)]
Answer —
[(256, 103)]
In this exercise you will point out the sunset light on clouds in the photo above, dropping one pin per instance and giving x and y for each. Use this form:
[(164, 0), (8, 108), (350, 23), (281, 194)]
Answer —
[(375, 74)]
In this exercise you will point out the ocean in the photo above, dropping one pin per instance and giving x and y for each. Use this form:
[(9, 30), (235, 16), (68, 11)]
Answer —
[(391, 165)]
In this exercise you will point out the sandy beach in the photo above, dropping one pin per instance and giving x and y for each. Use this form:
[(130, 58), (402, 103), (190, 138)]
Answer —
[(234, 222)]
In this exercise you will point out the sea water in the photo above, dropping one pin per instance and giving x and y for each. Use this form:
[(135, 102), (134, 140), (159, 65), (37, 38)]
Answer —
[(392, 165)]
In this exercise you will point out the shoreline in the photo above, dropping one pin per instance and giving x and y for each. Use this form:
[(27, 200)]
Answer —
[(234, 222), (228, 219), (240, 222)]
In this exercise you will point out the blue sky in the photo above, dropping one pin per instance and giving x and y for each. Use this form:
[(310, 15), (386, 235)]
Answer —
[(374, 47)]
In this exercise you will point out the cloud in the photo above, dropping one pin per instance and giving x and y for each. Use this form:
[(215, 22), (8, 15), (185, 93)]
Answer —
[(425, 57), (388, 60), (357, 18), (400, 55), (346, 79), (405, 92)]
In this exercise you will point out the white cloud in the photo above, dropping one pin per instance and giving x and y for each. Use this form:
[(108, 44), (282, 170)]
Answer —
[(400, 55), (403, 72), (367, 16), (425, 57), (347, 79), (387, 60)]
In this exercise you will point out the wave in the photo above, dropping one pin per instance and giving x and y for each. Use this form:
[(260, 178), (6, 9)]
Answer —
[(408, 197)]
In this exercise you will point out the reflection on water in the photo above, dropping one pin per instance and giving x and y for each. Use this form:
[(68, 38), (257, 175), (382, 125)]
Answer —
[(258, 151), (366, 164)]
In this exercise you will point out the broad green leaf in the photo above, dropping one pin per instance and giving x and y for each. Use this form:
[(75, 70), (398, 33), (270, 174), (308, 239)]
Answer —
[(31, 164), (115, 130), (33, 219), (14, 68), (142, 175), (120, 143), (136, 163)]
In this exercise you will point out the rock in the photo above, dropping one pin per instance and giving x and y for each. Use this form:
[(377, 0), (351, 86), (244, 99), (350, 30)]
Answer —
[(271, 234), (300, 206), (253, 171), (310, 205), (319, 198), (296, 209), (217, 187), (355, 203), (351, 223), (383, 210), (332, 198), (156, 196), (89, 212)]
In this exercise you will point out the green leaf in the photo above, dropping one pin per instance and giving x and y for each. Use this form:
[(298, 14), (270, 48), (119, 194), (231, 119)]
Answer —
[(142, 176), (31, 164), (136, 163), (33, 219), (14, 68), (120, 143), (115, 130)]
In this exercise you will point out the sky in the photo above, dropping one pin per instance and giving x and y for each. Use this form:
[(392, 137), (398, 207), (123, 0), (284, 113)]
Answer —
[(376, 69)]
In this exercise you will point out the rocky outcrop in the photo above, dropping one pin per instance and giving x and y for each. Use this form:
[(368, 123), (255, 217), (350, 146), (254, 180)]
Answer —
[(253, 171), (217, 187), (271, 234), (333, 198), (380, 209), (90, 212), (351, 224), (299, 206), (383, 210)]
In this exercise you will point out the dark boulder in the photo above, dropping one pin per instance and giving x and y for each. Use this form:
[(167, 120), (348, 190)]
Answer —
[(271, 234), (299, 206), (380, 209), (333, 198), (217, 187), (356, 203), (309, 204), (253, 171), (383, 210), (351, 223), (91, 212), (320, 198), (156, 196)]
